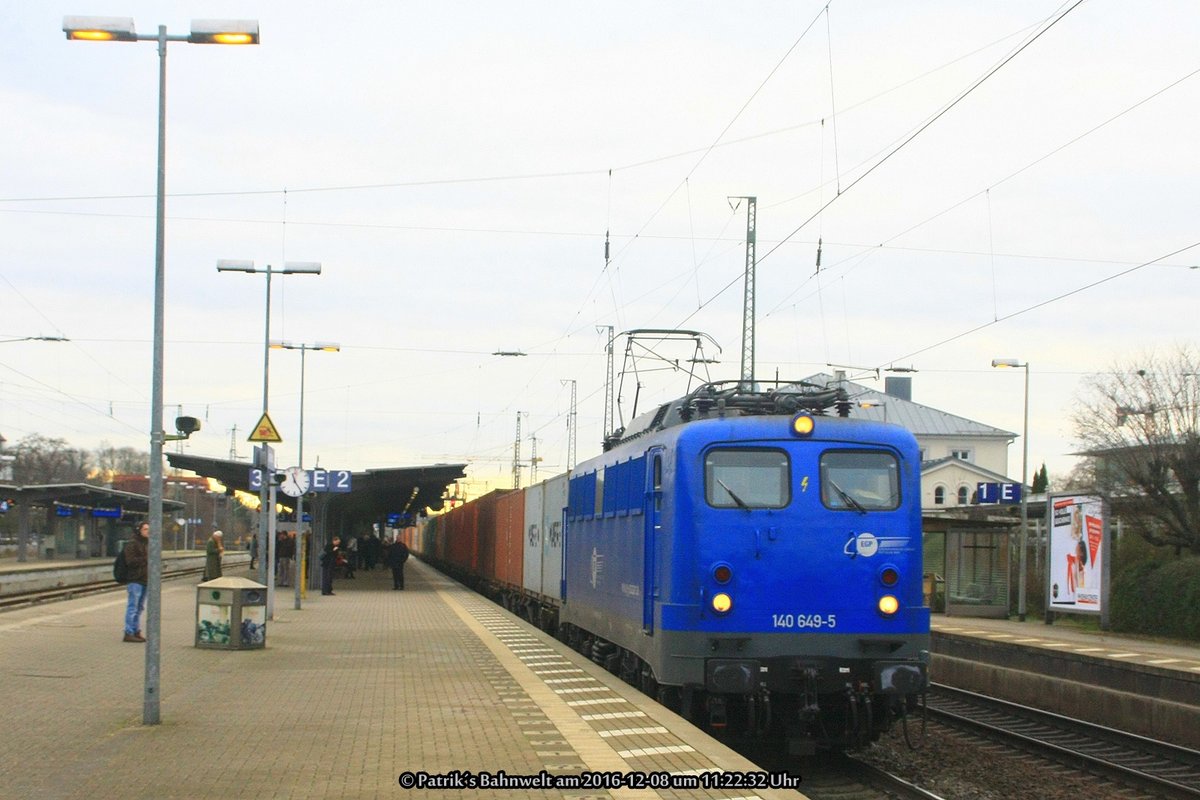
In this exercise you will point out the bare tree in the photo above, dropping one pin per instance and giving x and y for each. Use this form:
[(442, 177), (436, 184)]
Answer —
[(1140, 424), (120, 461), (41, 460)]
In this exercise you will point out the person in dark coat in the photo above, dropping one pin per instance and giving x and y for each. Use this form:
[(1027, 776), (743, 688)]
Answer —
[(328, 560), (396, 556), (136, 562)]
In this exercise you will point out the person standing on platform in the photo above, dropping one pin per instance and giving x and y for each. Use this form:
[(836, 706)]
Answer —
[(351, 555), (371, 551), (253, 548), (328, 561), (212, 556), (284, 553), (396, 556), (136, 561)]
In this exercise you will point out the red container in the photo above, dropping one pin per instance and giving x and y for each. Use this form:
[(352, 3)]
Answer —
[(509, 557)]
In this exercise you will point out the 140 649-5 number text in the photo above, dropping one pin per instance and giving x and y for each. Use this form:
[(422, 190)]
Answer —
[(811, 621)]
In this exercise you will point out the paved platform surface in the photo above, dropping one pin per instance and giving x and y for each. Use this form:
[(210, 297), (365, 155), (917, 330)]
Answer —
[(351, 693), (1065, 636)]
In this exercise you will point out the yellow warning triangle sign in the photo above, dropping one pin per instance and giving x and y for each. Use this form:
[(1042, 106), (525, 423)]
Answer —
[(264, 431)]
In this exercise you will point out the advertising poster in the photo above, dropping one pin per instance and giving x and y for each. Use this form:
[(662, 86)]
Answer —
[(1077, 551), (254, 625), (212, 623)]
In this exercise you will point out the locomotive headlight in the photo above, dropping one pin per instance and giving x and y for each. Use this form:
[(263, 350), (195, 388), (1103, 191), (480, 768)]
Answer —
[(802, 425), (722, 573), (888, 605), (721, 603)]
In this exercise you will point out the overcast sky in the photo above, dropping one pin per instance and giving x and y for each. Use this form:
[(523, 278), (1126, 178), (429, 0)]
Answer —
[(455, 167)]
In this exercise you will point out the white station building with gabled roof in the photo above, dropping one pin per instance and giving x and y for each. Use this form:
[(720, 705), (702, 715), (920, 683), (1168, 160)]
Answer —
[(957, 454)]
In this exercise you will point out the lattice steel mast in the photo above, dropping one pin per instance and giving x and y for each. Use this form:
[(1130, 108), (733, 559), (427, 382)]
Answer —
[(747, 375)]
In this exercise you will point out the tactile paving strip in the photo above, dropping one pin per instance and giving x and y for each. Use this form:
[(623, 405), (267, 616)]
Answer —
[(643, 745)]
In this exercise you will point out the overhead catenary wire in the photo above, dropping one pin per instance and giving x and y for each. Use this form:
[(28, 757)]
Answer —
[(837, 170), (885, 244), (925, 126), (1040, 304)]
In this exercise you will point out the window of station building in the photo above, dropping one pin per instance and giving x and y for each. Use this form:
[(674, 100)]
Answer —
[(939, 495), (747, 478), (860, 480), (964, 495), (961, 454)]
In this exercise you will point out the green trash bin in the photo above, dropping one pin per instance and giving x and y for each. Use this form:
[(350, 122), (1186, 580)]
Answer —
[(231, 614)]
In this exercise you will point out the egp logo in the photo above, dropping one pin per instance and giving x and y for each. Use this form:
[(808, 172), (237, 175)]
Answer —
[(865, 544)]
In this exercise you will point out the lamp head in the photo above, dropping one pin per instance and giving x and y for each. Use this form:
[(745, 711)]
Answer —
[(100, 29), (234, 265), (224, 31)]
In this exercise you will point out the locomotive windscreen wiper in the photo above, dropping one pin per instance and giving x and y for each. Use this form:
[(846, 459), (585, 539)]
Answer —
[(740, 502), (847, 499)]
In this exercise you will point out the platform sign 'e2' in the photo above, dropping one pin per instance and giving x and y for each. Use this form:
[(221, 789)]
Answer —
[(333, 480)]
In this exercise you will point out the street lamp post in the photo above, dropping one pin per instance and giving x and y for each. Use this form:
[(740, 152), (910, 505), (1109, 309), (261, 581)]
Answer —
[(121, 29), (875, 404), (1022, 562), (329, 347), (266, 518)]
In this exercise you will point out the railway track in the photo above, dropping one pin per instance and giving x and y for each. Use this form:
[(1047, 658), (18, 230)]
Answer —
[(38, 596), (833, 776), (1159, 769), (844, 777)]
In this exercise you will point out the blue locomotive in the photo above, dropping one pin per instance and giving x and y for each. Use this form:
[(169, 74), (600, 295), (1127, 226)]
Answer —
[(752, 562)]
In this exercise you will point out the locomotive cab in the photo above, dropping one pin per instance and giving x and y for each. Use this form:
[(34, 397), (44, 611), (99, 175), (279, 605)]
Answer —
[(799, 543)]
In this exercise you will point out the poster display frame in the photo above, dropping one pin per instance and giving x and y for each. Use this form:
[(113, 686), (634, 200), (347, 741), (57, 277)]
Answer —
[(1078, 556)]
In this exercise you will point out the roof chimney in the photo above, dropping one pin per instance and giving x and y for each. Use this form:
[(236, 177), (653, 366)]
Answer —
[(898, 387)]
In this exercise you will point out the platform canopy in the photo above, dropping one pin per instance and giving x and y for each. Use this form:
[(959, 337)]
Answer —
[(80, 495), (374, 493)]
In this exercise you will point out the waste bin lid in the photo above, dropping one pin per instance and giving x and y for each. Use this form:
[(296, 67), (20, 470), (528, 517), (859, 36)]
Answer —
[(232, 583)]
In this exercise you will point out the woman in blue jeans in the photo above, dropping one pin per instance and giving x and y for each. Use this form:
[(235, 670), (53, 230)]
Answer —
[(136, 551)]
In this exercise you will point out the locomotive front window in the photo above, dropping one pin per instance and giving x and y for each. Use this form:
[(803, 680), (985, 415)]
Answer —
[(860, 481), (746, 478)]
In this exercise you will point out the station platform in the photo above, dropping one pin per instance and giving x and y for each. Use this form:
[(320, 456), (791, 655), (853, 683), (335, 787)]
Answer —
[(1068, 636), (354, 696), (1138, 684)]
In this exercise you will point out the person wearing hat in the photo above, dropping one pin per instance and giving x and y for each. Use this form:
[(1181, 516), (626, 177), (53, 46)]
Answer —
[(212, 555)]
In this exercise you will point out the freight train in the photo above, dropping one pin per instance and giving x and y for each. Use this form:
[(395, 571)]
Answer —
[(747, 557)]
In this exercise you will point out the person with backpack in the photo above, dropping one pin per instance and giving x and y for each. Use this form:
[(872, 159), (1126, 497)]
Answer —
[(136, 561)]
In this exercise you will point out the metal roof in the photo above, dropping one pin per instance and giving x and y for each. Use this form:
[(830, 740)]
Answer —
[(920, 419)]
